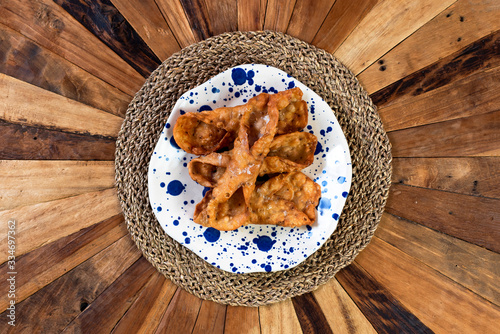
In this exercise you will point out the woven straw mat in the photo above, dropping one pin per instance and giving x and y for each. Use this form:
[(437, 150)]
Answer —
[(317, 69)]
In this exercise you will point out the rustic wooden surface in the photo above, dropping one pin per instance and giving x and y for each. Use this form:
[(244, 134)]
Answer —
[(68, 69)]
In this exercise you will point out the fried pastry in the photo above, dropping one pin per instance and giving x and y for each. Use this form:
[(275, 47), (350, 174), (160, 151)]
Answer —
[(287, 153), (263, 139), (211, 130)]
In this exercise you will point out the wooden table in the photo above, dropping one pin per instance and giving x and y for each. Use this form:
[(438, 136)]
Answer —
[(68, 71)]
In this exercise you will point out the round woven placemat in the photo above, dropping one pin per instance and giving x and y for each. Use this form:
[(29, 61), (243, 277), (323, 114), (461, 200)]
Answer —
[(317, 69)]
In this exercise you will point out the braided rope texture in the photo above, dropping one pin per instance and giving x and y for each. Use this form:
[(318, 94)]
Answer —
[(357, 116)]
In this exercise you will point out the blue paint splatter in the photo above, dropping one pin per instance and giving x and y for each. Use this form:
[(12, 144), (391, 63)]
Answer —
[(264, 243), (162, 184), (187, 241), (291, 84), (325, 203), (319, 148), (159, 209), (175, 187), (173, 143), (167, 125), (268, 268), (211, 234), (335, 216), (258, 88), (239, 76), (176, 222), (215, 90), (205, 190), (205, 107), (344, 194), (324, 183), (341, 179)]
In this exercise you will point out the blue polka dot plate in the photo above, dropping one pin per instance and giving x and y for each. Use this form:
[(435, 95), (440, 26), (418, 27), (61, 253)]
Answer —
[(254, 248)]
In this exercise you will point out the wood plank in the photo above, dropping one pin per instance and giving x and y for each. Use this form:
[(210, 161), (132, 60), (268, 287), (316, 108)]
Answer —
[(386, 25), (310, 315), (344, 16), (478, 176), (181, 313), (102, 19), (26, 142), (223, 15), (145, 313), (381, 308), (463, 23), (107, 309), (307, 18), (441, 304), (278, 14), (26, 182), (177, 20), (61, 256), (469, 136), (42, 313), (23, 103), (242, 320), (251, 14), (40, 224), (50, 26), (279, 318), (470, 218), (473, 95), (27, 61), (146, 19), (211, 318), (471, 266), (197, 14), (340, 310), (484, 53)]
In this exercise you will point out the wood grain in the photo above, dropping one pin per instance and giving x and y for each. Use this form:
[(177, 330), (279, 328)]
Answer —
[(174, 14), (21, 142), (23, 103), (310, 316), (223, 15), (146, 19), (279, 318), (60, 257), (50, 26), (102, 19), (145, 313), (27, 61), (469, 136), (477, 176), (43, 223), (242, 320), (387, 24), (181, 313), (482, 54), (197, 14), (307, 18), (471, 266), (469, 96), (278, 14), (340, 311), (470, 218), (386, 313), (26, 182), (251, 14), (435, 299), (80, 287), (211, 318), (463, 23), (106, 310), (344, 16)]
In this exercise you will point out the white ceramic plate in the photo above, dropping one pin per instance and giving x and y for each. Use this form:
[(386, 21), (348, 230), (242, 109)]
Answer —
[(254, 248)]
